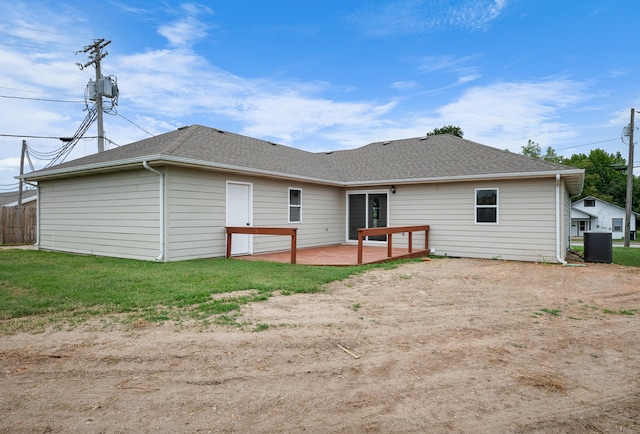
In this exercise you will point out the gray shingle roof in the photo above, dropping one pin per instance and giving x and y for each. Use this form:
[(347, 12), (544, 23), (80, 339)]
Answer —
[(420, 158), (13, 196), (437, 156)]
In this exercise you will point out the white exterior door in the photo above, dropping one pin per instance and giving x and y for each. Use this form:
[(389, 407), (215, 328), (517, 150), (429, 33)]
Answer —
[(239, 213)]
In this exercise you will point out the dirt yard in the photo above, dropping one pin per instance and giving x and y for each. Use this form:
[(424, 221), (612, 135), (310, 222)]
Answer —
[(445, 346)]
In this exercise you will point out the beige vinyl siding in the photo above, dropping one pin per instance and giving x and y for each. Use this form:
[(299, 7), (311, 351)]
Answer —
[(322, 214), (196, 203), (196, 213), (106, 215), (525, 228)]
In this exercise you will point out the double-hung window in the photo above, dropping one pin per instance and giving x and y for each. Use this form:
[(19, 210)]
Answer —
[(616, 225), (486, 205), (295, 205)]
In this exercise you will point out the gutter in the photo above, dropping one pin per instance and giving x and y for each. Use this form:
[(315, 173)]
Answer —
[(559, 257), (161, 206)]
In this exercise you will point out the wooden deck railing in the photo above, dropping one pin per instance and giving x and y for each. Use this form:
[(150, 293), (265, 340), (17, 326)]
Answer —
[(362, 233), (292, 232)]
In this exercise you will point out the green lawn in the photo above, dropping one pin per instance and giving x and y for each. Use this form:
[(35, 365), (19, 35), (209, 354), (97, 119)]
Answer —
[(629, 256), (37, 286)]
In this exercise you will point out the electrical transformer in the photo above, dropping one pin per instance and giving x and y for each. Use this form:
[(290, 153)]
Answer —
[(106, 86)]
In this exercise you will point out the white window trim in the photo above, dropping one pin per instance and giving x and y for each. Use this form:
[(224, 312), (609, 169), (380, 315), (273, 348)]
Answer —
[(476, 206), (290, 205), (613, 226), (367, 193)]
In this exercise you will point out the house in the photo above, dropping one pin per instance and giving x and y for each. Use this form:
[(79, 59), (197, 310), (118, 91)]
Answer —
[(593, 214), (11, 198), (169, 197)]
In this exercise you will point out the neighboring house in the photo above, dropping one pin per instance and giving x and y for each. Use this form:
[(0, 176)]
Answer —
[(18, 225), (593, 214), (169, 197), (11, 198)]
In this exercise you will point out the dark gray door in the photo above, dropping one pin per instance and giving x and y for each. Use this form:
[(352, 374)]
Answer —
[(367, 210)]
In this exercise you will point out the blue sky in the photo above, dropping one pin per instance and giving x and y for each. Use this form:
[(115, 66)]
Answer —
[(323, 75)]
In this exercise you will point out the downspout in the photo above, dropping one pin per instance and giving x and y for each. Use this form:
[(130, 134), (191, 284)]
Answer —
[(161, 206), (559, 257), (37, 244)]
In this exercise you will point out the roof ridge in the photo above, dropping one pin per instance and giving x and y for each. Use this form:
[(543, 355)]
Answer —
[(180, 138)]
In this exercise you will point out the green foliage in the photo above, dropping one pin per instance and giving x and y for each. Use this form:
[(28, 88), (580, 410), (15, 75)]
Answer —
[(603, 177), (447, 129), (534, 150), (605, 174)]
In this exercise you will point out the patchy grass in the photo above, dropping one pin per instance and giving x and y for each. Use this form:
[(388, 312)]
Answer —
[(40, 288), (554, 312), (629, 312)]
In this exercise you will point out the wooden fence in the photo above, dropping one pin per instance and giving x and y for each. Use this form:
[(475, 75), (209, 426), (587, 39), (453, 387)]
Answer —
[(18, 226)]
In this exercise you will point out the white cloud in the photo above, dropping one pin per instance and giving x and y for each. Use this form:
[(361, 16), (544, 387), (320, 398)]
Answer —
[(405, 85), (187, 29), (467, 78), (183, 32), (285, 111), (445, 63), (9, 164), (422, 16), (506, 113)]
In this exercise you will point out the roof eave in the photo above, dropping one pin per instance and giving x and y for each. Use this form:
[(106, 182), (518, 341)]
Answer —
[(574, 188), (132, 163)]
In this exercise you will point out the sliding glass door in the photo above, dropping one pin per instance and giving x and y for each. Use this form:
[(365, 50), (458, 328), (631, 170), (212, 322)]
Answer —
[(367, 210)]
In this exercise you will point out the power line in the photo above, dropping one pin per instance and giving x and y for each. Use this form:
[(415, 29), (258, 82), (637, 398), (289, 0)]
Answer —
[(31, 91), (27, 136), (40, 99), (42, 31), (68, 147), (40, 41), (134, 124), (588, 144), (33, 47), (9, 187)]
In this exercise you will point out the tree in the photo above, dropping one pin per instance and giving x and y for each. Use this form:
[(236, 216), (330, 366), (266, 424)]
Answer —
[(533, 149), (605, 175), (447, 129)]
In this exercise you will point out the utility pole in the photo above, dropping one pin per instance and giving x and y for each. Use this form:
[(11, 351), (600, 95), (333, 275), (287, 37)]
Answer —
[(24, 151), (96, 56), (629, 199)]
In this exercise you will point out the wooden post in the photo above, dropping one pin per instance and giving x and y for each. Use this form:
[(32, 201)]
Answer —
[(294, 243), (426, 239), (228, 254), (389, 245), (359, 247), (410, 241)]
